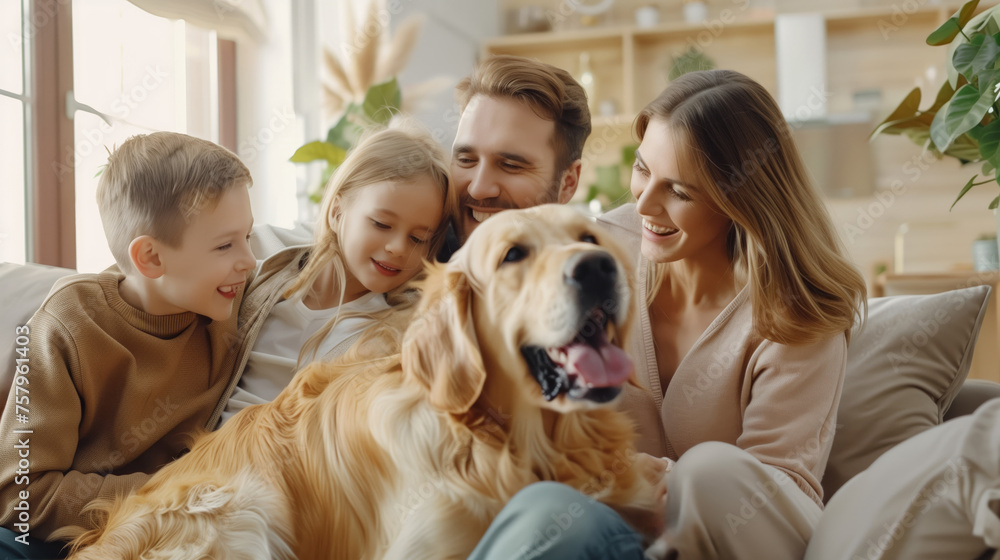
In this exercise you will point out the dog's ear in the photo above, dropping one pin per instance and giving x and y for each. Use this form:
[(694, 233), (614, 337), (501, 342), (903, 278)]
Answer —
[(440, 348)]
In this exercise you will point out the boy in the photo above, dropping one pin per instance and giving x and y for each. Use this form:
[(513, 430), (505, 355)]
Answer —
[(123, 365)]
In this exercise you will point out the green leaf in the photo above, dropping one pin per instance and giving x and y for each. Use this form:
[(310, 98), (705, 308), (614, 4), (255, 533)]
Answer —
[(964, 149), (988, 138), (981, 22), (313, 151), (317, 195), (965, 189), (347, 132), (944, 94), (921, 136), (965, 110), (920, 124), (977, 57), (939, 128), (991, 26), (965, 12), (951, 28), (382, 101), (628, 155), (995, 203), (908, 108), (966, 54)]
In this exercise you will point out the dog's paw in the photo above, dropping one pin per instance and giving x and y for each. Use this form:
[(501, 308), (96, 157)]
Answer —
[(658, 550)]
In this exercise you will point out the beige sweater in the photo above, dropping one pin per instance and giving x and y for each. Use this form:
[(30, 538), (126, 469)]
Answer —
[(776, 401), (114, 393)]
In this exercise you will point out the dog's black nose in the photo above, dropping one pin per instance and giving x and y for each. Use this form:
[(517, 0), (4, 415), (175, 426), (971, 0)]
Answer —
[(594, 274)]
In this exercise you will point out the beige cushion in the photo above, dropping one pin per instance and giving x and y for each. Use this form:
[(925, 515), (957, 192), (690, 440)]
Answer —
[(22, 290), (904, 368)]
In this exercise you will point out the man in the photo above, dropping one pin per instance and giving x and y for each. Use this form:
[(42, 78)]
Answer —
[(519, 140), (519, 144)]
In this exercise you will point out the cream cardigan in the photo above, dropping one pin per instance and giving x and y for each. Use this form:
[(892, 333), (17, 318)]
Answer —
[(776, 401)]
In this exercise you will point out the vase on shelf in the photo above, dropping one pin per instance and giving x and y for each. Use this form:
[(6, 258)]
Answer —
[(695, 11)]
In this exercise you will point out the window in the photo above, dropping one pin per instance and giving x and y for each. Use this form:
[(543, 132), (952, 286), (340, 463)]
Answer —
[(133, 73), (62, 109), (14, 110)]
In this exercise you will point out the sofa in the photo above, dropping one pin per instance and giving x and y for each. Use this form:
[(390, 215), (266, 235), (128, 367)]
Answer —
[(906, 371)]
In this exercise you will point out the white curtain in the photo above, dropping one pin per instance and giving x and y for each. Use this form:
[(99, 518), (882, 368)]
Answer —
[(232, 19)]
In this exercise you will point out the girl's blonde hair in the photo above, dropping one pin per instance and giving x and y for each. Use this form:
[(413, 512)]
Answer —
[(402, 153), (733, 142)]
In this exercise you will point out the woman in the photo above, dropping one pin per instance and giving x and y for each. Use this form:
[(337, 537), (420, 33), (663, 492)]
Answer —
[(749, 301)]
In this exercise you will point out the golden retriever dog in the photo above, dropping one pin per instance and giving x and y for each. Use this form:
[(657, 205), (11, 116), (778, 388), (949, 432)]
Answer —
[(505, 377)]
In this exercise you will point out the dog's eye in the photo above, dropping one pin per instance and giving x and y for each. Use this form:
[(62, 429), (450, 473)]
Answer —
[(515, 254), (589, 238)]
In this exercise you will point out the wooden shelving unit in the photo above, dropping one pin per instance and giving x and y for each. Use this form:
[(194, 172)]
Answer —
[(867, 48)]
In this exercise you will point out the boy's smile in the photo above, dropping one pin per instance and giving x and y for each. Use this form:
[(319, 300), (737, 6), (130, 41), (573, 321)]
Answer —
[(209, 268)]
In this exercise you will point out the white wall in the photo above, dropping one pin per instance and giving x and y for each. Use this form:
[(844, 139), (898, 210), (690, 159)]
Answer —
[(449, 46), (270, 122)]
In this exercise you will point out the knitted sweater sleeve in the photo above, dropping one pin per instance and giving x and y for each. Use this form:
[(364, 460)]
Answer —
[(44, 485)]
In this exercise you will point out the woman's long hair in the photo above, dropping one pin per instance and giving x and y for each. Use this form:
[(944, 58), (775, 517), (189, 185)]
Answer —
[(734, 143)]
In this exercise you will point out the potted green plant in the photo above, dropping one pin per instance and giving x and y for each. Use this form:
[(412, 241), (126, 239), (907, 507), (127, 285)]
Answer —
[(691, 60), (359, 85), (610, 188), (962, 122), (381, 102)]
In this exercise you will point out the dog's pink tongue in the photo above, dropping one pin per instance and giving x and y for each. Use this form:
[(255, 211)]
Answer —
[(606, 366)]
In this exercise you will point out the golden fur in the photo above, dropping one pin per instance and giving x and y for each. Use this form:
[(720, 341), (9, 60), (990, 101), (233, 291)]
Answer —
[(411, 455)]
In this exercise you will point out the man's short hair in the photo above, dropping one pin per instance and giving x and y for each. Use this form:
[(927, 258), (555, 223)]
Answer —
[(550, 92), (155, 183)]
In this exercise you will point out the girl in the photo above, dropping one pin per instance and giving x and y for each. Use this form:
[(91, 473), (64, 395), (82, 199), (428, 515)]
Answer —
[(383, 212), (749, 300)]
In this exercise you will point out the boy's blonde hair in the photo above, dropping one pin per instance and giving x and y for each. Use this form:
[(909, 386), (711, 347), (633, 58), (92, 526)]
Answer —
[(401, 153), (155, 183)]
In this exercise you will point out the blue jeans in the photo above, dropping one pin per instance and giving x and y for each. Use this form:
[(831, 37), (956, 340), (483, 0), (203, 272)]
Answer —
[(551, 521), (11, 549)]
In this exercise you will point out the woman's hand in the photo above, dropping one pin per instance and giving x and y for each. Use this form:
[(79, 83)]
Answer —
[(655, 469)]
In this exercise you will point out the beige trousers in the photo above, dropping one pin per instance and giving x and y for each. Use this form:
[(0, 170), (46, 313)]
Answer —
[(724, 503), (934, 496)]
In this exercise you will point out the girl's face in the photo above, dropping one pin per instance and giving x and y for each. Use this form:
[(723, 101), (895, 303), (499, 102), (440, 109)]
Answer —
[(385, 233), (677, 220)]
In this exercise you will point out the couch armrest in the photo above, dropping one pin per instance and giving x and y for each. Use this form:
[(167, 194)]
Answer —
[(22, 290), (973, 393)]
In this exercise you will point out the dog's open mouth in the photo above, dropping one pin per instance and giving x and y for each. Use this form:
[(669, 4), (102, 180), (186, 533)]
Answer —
[(588, 367)]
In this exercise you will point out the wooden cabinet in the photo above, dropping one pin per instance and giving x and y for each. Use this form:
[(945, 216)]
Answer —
[(867, 48)]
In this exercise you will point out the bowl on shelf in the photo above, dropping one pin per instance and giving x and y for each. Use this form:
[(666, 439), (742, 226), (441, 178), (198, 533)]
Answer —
[(527, 19)]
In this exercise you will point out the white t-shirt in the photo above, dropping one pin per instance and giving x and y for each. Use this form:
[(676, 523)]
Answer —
[(272, 360)]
